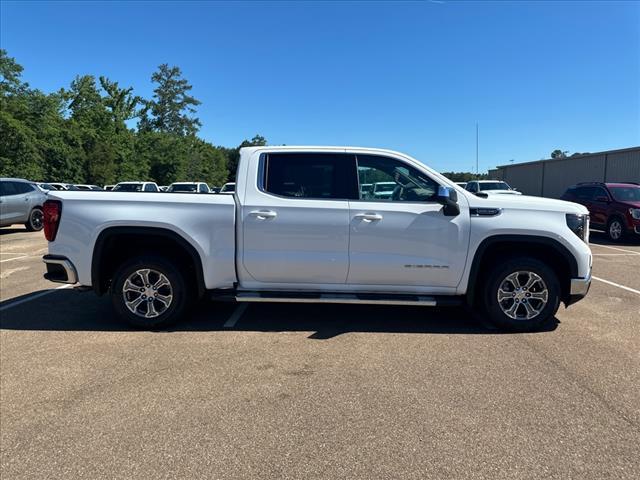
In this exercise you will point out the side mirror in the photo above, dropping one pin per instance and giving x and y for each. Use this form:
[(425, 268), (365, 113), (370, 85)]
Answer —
[(449, 198)]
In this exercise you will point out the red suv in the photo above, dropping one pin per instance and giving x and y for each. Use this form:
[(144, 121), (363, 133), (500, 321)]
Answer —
[(613, 207)]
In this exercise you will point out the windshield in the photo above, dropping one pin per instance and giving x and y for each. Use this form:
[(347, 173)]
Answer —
[(187, 187), (128, 187), (625, 194), (494, 186)]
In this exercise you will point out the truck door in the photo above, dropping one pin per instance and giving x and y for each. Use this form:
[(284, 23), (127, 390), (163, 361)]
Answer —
[(406, 239), (296, 222)]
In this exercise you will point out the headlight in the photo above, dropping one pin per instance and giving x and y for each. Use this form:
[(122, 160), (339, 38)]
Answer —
[(579, 224), (635, 213)]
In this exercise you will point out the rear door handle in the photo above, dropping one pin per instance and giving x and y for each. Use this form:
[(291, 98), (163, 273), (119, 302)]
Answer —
[(263, 214), (369, 217)]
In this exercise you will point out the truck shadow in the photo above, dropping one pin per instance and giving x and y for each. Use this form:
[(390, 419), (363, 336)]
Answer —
[(75, 310), (597, 237), (12, 230)]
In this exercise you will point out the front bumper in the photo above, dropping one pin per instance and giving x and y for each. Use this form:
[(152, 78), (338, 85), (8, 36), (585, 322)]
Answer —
[(578, 289), (60, 269)]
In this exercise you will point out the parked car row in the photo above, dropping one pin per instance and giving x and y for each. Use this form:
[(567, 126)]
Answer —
[(177, 187), (21, 201)]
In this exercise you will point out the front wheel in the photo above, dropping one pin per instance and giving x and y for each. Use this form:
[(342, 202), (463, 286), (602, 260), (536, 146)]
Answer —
[(150, 292), (36, 220), (615, 229), (522, 294)]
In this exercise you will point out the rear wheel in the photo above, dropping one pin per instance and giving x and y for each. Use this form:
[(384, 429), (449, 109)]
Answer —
[(522, 294), (150, 292), (36, 220), (615, 229)]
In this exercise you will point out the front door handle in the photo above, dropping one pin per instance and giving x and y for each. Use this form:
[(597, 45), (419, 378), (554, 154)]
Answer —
[(263, 214), (369, 217)]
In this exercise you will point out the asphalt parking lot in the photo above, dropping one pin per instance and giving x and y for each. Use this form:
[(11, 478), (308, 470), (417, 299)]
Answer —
[(304, 391)]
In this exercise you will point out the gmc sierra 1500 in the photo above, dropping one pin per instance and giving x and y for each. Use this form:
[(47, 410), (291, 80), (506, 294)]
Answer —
[(300, 229)]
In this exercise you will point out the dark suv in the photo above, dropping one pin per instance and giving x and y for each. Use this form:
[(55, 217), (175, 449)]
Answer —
[(614, 207)]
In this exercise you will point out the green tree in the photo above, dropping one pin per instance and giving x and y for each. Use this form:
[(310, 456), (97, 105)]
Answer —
[(559, 153), (10, 76), (120, 102), (465, 176), (233, 154), (172, 109)]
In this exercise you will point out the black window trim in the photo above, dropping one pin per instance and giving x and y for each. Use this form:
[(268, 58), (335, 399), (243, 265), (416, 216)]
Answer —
[(263, 171), (392, 201)]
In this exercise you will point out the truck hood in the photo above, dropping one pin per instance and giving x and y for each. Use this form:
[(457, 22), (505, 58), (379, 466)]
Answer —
[(526, 202)]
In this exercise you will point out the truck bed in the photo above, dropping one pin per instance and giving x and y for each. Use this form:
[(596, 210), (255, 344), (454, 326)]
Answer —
[(205, 221)]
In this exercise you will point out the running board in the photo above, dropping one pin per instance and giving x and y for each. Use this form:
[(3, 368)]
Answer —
[(348, 298)]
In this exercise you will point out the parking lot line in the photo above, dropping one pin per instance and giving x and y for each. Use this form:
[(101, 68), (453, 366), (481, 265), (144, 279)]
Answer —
[(613, 254), (616, 285), (15, 258), (235, 316), (616, 248), (33, 297)]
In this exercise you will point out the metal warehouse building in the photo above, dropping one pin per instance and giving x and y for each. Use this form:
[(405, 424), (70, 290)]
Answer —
[(550, 178)]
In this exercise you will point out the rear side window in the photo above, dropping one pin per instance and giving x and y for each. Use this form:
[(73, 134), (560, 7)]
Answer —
[(311, 175), (149, 187), (585, 193), (15, 188), (8, 188)]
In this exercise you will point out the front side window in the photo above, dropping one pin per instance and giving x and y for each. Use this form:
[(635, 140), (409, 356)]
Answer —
[(599, 192), (310, 175), (149, 187), (393, 181)]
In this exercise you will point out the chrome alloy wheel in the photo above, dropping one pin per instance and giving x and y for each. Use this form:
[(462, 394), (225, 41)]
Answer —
[(522, 295), (147, 293), (615, 230)]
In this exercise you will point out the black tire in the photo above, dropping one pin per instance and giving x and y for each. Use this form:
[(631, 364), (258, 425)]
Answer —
[(546, 311), (178, 306), (36, 220), (615, 229)]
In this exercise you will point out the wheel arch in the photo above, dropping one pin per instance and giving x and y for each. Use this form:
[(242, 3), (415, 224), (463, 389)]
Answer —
[(108, 253), (548, 250)]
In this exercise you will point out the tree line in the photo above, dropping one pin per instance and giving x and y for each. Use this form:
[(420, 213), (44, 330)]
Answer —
[(82, 133)]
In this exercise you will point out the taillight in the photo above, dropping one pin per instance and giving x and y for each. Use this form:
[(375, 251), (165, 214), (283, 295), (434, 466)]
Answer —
[(52, 210)]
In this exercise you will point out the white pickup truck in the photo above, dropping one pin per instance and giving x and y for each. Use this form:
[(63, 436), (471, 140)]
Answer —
[(298, 229)]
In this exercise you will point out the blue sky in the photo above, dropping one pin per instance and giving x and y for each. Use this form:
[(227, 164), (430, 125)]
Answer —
[(412, 76)]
